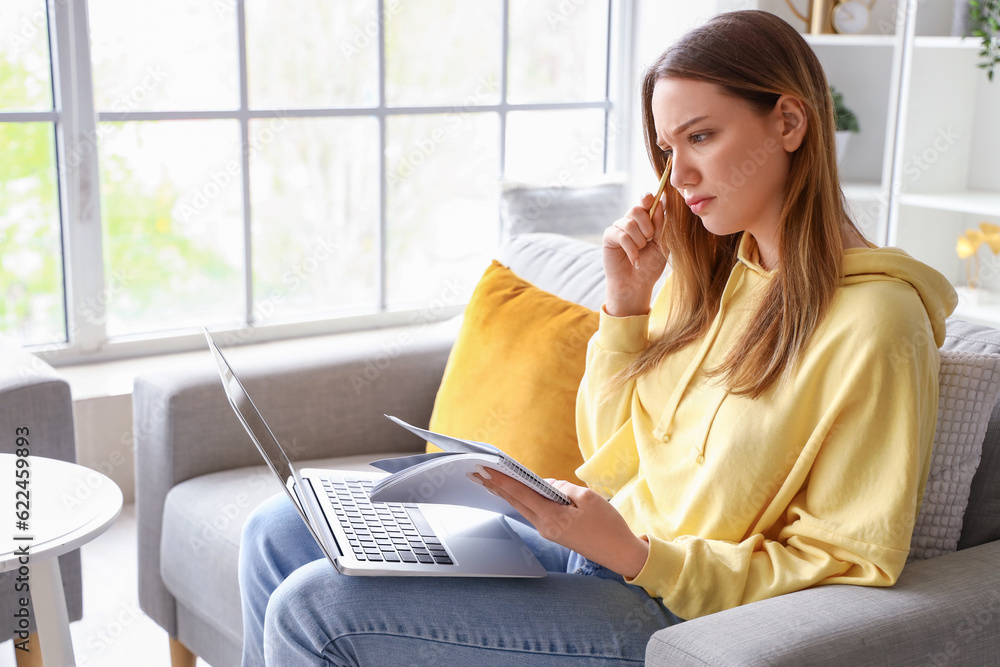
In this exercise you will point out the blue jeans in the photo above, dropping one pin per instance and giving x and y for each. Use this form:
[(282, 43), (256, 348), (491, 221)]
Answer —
[(298, 610)]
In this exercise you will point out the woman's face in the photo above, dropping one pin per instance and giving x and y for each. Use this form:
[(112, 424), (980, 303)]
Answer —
[(729, 163)]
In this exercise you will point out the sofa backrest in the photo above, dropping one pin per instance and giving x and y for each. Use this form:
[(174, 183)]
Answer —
[(573, 270), (567, 267)]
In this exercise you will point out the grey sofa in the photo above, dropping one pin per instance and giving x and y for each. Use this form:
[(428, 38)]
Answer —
[(33, 394), (198, 476)]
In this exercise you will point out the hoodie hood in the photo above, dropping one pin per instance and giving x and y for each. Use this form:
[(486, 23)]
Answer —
[(863, 265)]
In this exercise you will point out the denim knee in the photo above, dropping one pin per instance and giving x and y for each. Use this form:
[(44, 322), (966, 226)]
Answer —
[(257, 530), (293, 633), (255, 526)]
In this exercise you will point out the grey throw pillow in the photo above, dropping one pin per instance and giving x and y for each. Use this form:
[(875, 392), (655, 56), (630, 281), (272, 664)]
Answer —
[(579, 211), (970, 384)]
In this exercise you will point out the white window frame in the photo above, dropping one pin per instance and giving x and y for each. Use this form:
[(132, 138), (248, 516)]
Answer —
[(77, 122)]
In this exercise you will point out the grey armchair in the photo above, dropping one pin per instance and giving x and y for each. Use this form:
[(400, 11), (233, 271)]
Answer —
[(32, 394)]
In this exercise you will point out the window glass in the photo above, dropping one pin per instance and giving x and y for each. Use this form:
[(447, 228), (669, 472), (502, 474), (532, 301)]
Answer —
[(442, 52), (32, 308), (562, 147), (314, 186), (558, 51), (164, 56), (312, 53), (25, 75), (171, 203), (353, 203), (441, 214)]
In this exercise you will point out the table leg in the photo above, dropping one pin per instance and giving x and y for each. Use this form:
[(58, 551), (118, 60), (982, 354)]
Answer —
[(32, 657), (51, 617)]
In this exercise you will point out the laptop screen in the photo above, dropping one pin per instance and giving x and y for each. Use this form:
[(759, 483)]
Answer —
[(262, 436)]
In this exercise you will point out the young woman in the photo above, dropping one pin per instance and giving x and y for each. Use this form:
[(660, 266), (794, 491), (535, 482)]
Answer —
[(766, 426)]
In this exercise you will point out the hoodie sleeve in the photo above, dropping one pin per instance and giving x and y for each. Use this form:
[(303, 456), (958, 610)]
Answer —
[(599, 414), (619, 341), (863, 472)]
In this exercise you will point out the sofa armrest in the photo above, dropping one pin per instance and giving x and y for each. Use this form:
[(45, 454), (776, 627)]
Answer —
[(320, 398), (945, 610), (36, 396)]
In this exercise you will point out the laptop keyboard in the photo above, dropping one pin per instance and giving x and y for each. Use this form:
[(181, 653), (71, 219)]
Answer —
[(383, 532)]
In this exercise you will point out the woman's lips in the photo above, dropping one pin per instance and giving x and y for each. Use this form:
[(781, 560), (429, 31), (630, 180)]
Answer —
[(698, 204)]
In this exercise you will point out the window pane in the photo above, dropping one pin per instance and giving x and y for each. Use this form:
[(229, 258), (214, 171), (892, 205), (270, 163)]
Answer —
[(315, 216), (32, 307), (442, 205), (442, 52), (171, 202), (313, 53), (25, 74), (558, 51), (564, 147), (164, 56)]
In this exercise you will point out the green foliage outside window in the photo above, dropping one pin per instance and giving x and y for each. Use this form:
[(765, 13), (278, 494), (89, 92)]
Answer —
[(30, 257)]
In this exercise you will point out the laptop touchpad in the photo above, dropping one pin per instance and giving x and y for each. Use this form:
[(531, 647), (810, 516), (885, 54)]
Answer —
[(468, 522), (491, 529)]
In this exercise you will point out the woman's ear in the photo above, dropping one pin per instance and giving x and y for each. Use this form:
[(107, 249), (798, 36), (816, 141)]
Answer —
[(793, 122)]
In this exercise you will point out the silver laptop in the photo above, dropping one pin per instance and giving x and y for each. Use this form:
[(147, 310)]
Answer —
[(399, 539)]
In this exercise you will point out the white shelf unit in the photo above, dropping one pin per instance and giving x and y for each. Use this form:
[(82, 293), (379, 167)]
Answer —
[(946, 42), (841, 41), (966, 201), (947, 173)]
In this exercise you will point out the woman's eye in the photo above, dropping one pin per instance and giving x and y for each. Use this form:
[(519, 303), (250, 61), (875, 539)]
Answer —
[(696, 138)]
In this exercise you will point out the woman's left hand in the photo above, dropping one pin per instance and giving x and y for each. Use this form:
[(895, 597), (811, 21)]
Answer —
[(591, 526)]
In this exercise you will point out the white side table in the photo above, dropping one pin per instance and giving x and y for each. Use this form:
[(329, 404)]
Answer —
[(69, 505)]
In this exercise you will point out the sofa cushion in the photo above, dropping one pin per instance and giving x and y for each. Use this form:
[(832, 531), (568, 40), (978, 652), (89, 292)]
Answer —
[(513, 373), (202, 522), (969, 385), (982, 516)]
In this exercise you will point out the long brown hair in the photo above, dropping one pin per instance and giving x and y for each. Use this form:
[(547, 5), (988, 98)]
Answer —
[(757, 57)]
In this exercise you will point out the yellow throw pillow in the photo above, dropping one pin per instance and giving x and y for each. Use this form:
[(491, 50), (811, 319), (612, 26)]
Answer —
[(512, 376)]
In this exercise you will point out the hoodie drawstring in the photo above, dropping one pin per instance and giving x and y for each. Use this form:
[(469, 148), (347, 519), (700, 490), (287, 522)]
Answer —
[(662, 430)]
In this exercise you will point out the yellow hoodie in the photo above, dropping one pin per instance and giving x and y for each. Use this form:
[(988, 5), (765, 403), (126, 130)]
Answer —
[(816, 482)]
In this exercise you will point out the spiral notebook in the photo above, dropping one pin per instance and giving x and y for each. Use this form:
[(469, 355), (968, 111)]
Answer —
[(440, 477)]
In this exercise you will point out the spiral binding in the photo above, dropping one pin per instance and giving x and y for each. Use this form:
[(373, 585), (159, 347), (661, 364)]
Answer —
[(536, 482)]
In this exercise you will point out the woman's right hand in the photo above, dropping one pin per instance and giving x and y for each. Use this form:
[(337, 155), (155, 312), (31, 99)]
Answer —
[(633, 260)]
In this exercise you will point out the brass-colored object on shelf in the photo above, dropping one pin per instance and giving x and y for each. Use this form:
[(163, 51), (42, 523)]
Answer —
[(968, 247), (820, 16), (818, 19)]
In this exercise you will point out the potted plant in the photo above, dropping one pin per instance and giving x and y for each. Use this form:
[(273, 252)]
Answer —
[(984, 22), (847, 123)]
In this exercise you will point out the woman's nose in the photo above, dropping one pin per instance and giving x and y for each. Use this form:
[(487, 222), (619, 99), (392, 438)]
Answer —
[(682, 172)]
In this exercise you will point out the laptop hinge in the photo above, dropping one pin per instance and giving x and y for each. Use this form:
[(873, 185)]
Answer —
[(317, 511)]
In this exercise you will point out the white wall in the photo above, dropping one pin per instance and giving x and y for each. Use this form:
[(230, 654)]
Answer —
[(104, 439)]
